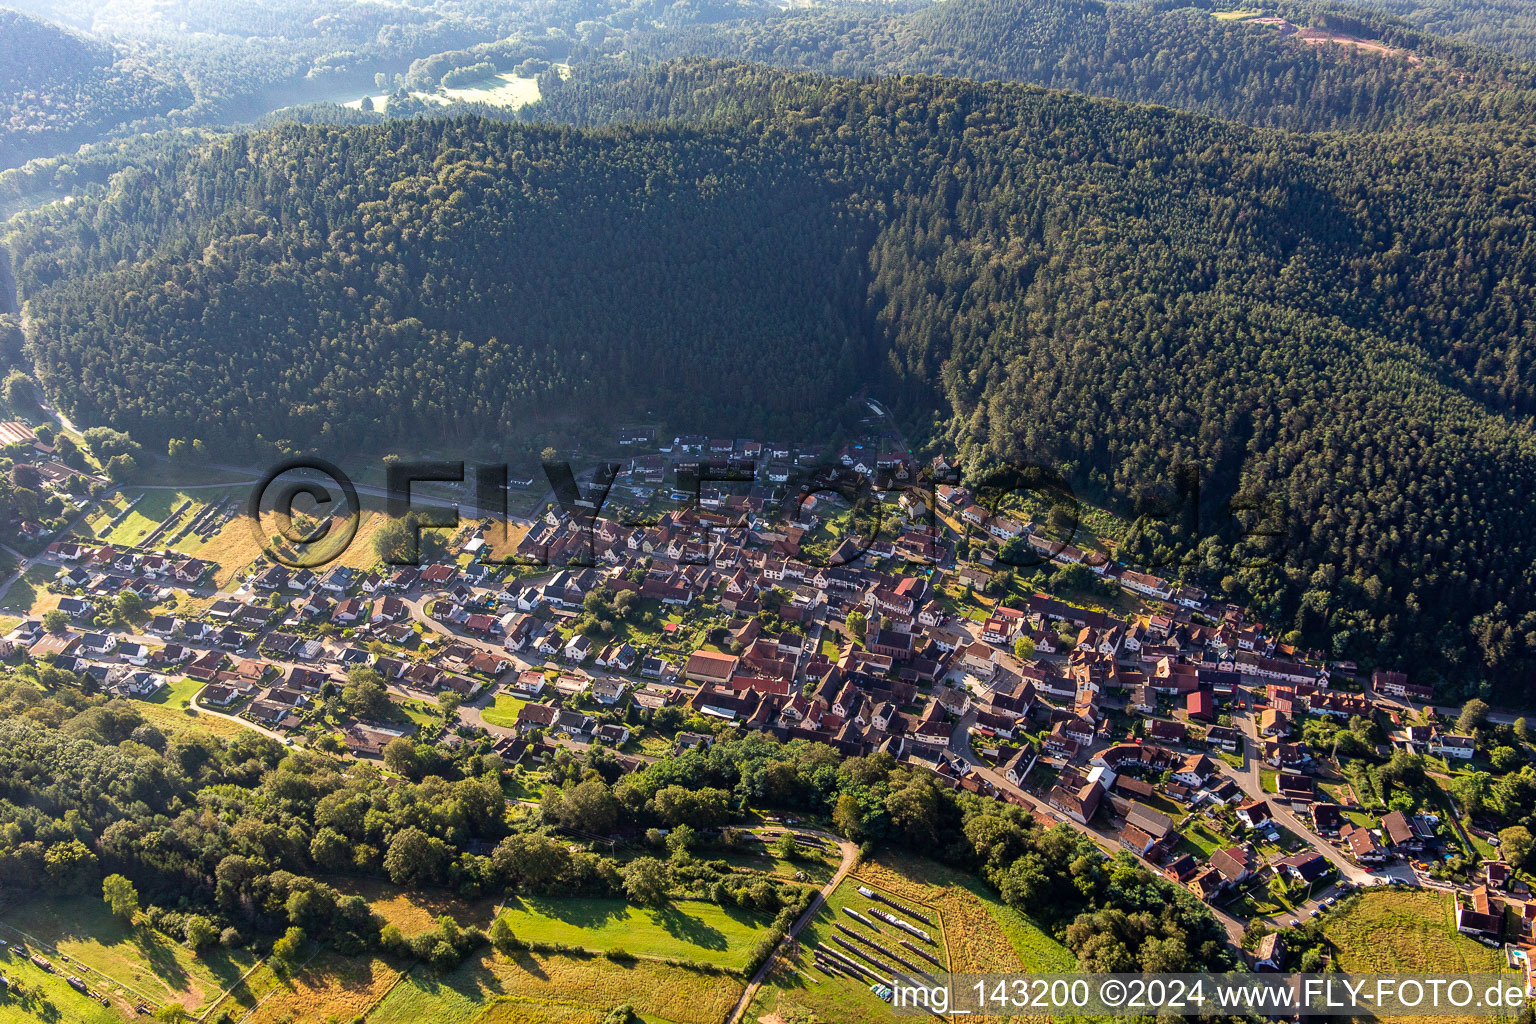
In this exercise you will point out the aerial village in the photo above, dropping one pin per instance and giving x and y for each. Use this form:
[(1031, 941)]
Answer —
[(665, 613)]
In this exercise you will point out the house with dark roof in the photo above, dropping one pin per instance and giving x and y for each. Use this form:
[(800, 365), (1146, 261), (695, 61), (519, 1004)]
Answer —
[(1305, 868), (1269, 954), (1076, 797), (1235, 864), (1295, 789), (1207, 883)]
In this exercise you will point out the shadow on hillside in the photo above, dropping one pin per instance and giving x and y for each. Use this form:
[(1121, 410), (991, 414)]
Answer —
[(681, 925), (580, 913)]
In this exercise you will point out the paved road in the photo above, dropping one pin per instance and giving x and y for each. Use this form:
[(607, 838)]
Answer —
[(1103, 840), (1249, 778), (202, 710), (850, 854)]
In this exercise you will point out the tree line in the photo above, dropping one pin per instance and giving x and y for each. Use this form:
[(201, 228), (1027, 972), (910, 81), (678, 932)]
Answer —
[(241, 838)]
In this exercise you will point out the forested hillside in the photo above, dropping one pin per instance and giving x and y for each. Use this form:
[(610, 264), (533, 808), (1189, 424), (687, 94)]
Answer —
[(1507, 25), (1334, 323), (1265, 71), (462, 276), (58, 88)]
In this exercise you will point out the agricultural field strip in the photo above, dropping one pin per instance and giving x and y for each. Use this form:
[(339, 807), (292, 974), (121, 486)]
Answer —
[(275, 990), (238, 982), (367, 1011)]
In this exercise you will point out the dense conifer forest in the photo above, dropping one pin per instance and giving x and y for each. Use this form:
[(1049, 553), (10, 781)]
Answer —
[(1252, 69), (1331, 324), (58, 88)]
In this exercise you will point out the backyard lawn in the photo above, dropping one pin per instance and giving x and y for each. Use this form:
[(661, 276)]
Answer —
[(177, 695)]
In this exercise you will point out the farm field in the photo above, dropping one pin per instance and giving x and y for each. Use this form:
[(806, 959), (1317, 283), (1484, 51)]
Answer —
[(151, 506), (329, 987), (502, 90), (133, 963), (236, 546), (414, 912), (691, 930), (685, 929), (973, 932), (535, 987)]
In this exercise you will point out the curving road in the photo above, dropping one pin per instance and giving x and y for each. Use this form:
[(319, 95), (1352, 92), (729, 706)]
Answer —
[(960, 743), (850, 854)]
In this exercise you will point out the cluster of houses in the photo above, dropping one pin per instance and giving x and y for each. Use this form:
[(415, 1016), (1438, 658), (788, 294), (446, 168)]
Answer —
[(1045, 680), (105, 571), (61, 488)]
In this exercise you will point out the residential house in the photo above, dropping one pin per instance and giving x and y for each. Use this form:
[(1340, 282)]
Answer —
[(1362, 844), (1235, 863), (1304, 868), (608, 691), (1480, 915), (1254, 813), (1452, 747), (1076, 797), (1269, 954)]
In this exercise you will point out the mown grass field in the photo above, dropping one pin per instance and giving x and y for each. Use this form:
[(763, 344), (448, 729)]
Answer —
[(504, 90), (686, 929), (558, 989), (29, 594), (503, 710), (178, 694), (132, 962), (972, 930), (43, 996), (1404, 930), (149, 512), (691, 930)]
